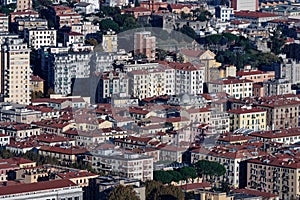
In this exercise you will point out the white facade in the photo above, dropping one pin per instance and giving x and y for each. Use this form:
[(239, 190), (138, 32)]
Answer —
[(3, 23), (68, 66), (85, 28), (4, 140), (15, 62), (127, 165), (37, 38), (224, 13), (234, 87), (293, 71), (250, 5)]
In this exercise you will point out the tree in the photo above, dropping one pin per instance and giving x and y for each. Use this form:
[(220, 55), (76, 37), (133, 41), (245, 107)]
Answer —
[(137, 3), (108, 24), (176, 176), (130, 23), (188, 172), (210, 168), (122, 193), (188, 31), (157, 191), (162, 176), (49, 92), (92, 41)]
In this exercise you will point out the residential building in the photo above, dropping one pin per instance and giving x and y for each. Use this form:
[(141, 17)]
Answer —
[(116, 3), (112, 84), (40, 37), (101, 186), (235, 87), (256, 76), (233, 159), (20, 130), (85, 28), (80, 178), (84, 8), (73, 37), (64, 66), (23, 14), (36, 84), (145, 44), (286, 136), (281, 111), (292, 71), (15, 65), (251, 5), (29, 23), (127, 165), (277, 174), (43, 190), (66, 154), (277, 87), (224, 13), (4, 23), (255, 17), (110, 41), (4, 139), (18, 113), (24, 5), (248, 118)]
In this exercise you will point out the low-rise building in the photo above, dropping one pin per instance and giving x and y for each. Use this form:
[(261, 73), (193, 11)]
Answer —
[(62, 189), (237, 88), (127, 165), (40, 37), (277, 174), (248, 118)]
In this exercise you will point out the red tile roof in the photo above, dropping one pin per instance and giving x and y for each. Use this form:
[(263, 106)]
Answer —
[(253, 14), (250, 73), (231, 80), (256, 193), (68, 151), (80, 174), (39, 186), (36, 78), (195, 186), (245, 110), (277, 133)]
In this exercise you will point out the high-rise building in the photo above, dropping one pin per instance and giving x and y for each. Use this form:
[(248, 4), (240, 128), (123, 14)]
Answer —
[(23, 5), (110, 42), (3, 23), (15, 71), (145, 44), (250, 5)]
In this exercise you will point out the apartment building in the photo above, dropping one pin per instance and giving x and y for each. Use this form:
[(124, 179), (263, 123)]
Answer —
[(18, 113), (281, 111), (248, 118), (112, 84), (235, 87), (233, 159), (292, 70), (110, 41), (20, 130), (256, 76), (73, 37), (277, 87), (16, 71), (189, 78), (85, 28), (56, 189), (127, 165), (66, 66), (29, 23), (4, 140), (36, 84), (145, 44), (224, 13), (40, 37), (285, 136), (277, 174), (64, 16), (23, 5), (238, 5), (4, 23)]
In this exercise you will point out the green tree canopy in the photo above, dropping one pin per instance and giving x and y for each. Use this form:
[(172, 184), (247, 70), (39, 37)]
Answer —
[(188, 31), (188, 172), (108, 24), (157, 191), (205, 167), (162, 176), (122, 193)]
